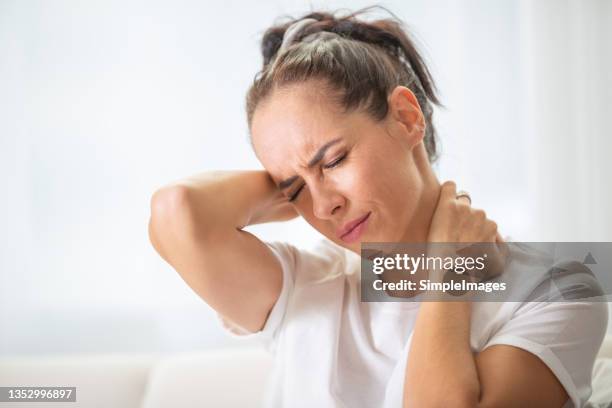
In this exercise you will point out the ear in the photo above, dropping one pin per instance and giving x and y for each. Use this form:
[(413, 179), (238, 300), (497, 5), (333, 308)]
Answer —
[(406, 111)]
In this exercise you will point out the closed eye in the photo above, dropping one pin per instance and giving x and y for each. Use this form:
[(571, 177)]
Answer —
[(335, 162), (331, 165), (294, 195)]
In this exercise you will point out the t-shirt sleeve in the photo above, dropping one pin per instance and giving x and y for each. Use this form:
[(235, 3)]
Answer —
[(565, 334), (286, 254)]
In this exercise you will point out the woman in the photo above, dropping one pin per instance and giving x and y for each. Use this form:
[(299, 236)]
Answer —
[(341, 119)]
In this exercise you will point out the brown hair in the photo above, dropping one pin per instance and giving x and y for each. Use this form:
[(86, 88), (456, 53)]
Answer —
[(360, 65)]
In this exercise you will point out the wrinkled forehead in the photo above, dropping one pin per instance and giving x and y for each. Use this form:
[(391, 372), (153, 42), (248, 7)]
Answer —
[(290, 125)]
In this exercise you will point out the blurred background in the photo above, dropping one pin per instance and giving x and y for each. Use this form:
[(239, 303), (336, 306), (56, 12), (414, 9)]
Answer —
[(102, 102)]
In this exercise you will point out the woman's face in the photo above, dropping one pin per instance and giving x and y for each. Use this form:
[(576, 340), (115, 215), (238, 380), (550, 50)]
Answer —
[(338, 169)]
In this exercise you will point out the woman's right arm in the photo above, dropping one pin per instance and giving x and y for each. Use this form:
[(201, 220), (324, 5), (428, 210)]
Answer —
[(196, 226)]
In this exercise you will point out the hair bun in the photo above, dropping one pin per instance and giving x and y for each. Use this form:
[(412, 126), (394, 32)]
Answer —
[(344, 27), (270, 44), (273, 38)]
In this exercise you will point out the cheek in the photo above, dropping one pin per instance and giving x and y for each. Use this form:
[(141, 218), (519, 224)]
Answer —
[(392, 182), (372, 179), (352, 182)]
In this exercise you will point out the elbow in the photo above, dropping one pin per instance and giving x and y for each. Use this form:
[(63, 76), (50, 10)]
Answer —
[(168, 202), (170, 215)]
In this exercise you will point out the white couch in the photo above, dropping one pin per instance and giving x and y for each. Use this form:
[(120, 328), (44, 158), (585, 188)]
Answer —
[(231, 377)]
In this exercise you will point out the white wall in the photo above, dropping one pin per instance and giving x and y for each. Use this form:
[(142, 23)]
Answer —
[(103, 101)]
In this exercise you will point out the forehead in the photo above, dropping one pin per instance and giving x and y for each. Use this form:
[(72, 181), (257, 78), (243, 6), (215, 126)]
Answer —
[(291, 124)]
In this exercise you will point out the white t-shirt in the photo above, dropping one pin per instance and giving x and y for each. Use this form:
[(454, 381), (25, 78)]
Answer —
[(332, 350)]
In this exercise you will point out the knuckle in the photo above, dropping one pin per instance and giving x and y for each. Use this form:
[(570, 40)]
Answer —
[(463, 208), (479, 213), (449, 184), (454, 207)]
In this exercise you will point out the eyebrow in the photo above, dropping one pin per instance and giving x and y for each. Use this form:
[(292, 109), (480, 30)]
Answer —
[(315, 159)]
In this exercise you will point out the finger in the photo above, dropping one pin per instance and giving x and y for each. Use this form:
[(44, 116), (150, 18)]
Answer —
[(448, 191)]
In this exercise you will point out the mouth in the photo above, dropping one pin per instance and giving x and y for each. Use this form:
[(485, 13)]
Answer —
[(353, 230)]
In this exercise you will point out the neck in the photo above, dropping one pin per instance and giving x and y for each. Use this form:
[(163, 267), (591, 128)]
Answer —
[(418, 230)]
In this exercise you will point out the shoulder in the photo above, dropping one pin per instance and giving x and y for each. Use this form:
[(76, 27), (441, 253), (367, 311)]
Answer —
[(554, 301)]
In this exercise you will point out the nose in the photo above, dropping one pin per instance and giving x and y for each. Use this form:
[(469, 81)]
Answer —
[(326, 202)]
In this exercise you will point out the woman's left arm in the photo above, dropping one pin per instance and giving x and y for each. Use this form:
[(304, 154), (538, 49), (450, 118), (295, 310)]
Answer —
[(442, 370)]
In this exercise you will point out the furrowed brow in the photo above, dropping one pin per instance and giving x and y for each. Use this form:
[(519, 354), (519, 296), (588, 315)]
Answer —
[(315, 159)]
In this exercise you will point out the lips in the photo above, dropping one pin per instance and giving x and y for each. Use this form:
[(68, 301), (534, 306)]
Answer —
[(353, 229)]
